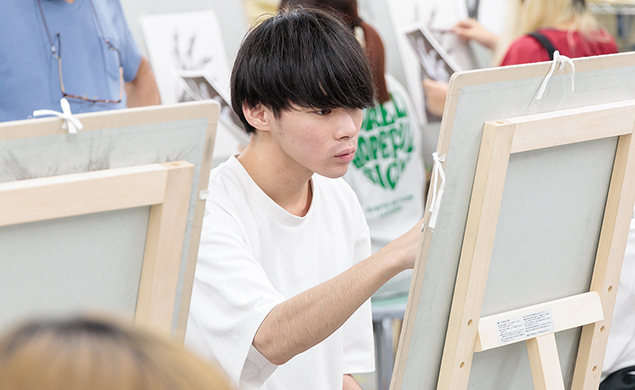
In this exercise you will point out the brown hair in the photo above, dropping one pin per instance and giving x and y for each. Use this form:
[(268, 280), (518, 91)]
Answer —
[(374, 47), (84, 353)]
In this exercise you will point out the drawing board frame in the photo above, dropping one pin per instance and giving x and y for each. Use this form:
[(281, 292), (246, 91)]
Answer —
[(164, 187), (125, 160), (433, 317)]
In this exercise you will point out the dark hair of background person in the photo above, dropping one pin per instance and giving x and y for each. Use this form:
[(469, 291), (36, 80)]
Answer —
[(374, 47), (93, 354), (304, 57)]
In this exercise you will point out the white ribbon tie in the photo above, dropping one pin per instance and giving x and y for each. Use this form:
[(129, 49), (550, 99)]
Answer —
[(437, 189), (561, 60), (70, 122)]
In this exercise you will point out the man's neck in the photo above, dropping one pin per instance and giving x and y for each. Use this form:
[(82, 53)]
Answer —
[(289, 187), (69, 1)]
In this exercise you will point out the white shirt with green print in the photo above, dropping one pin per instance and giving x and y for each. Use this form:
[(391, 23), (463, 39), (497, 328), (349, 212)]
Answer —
[(387, 172)]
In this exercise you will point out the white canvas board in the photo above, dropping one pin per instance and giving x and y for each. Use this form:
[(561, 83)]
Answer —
[(185, 41), (78, 240), (71, 262), (549, 220)]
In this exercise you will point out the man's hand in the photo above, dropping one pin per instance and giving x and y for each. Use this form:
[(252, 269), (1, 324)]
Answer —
[(350, 383), (143, 90), (471, 30)]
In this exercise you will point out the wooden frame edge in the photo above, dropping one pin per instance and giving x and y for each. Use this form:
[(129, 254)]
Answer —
[(81, 193), (608, 264), (116, 118), (163, 187), (403, 346), (575, 125), (197, 225), (478, 242), (163, 251)]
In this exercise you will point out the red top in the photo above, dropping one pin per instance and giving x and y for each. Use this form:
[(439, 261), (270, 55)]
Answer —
[(571, 44)]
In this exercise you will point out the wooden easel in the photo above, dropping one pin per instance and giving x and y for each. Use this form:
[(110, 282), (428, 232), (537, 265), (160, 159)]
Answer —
[(467, 332), (141, 172), (164, 187)]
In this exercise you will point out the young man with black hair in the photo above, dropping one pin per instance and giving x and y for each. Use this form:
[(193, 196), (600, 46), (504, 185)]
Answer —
[(284, 275)]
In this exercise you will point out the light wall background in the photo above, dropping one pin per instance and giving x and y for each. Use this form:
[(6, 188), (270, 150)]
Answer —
[(389, 17)]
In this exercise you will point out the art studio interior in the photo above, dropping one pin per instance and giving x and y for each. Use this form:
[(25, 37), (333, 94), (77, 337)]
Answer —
[(317, 195)]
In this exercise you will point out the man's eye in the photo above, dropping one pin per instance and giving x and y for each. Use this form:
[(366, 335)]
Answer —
[(324, 112)]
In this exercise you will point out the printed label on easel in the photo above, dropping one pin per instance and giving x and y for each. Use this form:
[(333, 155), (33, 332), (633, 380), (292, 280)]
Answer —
[(524, 327)]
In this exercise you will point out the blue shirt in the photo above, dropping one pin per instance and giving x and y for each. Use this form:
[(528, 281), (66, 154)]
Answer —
[(29, 73)]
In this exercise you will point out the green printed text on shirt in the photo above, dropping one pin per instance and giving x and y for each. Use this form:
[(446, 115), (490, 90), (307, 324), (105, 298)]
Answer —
[(385, 143)]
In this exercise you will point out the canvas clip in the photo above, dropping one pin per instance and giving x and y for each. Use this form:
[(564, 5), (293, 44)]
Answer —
[(437, 189), (557, 59), (70, 122)]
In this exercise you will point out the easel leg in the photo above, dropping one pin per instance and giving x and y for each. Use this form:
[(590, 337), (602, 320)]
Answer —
[(545, 363)]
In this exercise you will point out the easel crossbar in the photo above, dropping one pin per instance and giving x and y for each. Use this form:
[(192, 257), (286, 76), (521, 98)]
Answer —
[(82, 193), (565, 313)]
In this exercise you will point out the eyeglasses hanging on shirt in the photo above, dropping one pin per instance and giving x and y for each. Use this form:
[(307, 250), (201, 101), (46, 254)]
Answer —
[(57, 54)]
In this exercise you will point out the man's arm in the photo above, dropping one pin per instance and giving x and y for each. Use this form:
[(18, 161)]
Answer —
[(350, 383), (308, 318), (143, 90)]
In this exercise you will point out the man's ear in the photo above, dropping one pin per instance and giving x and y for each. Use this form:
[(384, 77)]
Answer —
[(259, 117)]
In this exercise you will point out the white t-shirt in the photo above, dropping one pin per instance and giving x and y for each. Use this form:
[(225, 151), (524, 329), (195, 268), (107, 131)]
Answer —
[(620, 350), (253, 255)]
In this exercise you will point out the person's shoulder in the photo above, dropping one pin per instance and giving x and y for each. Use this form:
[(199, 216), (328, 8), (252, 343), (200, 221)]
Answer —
[(223, 170), (524, 50), (116, 4), (111, 7), (606, 42), (229, 198), (394, 85), (227, 181)]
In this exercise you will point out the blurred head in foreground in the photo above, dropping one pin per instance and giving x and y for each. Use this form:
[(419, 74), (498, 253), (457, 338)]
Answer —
[(85, 353)]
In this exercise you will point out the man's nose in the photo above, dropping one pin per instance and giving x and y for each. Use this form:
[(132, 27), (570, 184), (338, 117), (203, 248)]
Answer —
[(349, 122)]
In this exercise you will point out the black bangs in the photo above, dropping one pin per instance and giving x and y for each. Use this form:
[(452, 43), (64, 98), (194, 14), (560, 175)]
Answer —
[(305, 57)]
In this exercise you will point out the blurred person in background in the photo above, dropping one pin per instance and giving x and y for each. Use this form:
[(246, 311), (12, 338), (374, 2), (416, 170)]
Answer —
[(537, 29), (93, 354), (80, 50), (255, 9)]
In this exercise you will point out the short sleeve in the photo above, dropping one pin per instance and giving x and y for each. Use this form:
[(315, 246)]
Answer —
[(231, 297), (130, 53), (358, 341), (359, 347)]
